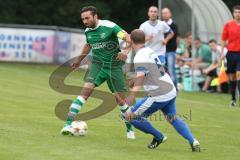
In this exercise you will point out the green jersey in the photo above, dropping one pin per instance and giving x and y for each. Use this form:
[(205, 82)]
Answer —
[(104, 42), (205, 53)]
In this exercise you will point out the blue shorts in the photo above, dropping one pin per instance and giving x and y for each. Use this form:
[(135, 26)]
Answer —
[(233, 62), (147, 106), (162, 59)]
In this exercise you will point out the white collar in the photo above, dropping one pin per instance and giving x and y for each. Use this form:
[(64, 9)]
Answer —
[(153, 23), (99, 23), (170, 21)]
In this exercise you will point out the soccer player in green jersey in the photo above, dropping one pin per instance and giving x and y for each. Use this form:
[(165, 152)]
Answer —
[(107, 61)]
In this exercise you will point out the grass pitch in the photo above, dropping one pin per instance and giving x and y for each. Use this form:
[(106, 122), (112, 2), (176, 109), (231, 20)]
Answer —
[(29, 128)]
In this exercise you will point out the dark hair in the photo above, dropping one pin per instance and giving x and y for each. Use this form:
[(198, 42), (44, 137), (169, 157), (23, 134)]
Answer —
[(237, 7), (92, 9), (212, 41), (197, 39), (138, 36), (188, 34)]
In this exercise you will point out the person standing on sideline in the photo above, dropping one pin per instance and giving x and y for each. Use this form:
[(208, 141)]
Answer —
[(154, 30), (171, 45), (231, 38)]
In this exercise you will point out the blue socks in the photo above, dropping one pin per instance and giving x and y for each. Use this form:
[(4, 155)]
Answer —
[(143, 125), (183, 129)]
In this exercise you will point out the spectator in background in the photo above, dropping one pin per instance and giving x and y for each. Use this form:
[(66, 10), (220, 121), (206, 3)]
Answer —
[(231, 37), (154, 30), (184, 50), (203, 57), (171, 45), (183, 58), (213, 70)]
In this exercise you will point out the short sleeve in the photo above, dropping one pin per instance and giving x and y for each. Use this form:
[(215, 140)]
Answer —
[(175, 29), (141, 27), (87, 41), (166, 28), (140, 65), (119, 32)]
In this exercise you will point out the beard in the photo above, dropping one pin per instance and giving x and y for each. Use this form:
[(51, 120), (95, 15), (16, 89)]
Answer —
[(92, 25)]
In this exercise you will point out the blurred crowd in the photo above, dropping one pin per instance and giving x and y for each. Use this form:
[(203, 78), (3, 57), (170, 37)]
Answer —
[(204, 64)]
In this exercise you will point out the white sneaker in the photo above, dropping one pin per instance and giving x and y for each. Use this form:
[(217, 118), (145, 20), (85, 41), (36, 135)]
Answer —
[(195, 146), (164, 139), (131, 135), (67, 130)]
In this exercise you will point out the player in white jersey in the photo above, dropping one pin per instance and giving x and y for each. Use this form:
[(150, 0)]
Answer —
[(161, 95), (154, 30)]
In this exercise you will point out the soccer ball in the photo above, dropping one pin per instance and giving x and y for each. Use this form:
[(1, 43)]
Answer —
[(79, 128)]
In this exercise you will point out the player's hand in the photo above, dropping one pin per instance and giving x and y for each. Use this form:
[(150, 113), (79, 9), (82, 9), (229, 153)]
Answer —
[(149, 38), (131, 83), (164, 42), (75, 64), (222, 56), (129, 115), (122, 57)]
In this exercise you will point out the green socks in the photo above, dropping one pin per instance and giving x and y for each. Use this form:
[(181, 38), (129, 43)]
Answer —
[(74, 109)]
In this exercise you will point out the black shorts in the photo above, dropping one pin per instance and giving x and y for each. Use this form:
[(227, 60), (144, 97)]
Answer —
[(233, 62), (213, 73)]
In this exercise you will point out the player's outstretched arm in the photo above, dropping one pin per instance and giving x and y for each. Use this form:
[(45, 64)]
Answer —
[(136, 86), (85, 51)]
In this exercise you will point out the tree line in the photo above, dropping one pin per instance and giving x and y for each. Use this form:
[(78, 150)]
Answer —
[(127, 13)]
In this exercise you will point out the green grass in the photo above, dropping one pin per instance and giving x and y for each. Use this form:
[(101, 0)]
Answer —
[(29, 128)]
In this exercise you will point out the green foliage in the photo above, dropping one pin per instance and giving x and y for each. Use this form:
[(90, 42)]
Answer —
[(126, 13)]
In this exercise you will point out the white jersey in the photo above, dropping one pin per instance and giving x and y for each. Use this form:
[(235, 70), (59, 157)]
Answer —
[(216, 55), (158, 85), (157, 30)]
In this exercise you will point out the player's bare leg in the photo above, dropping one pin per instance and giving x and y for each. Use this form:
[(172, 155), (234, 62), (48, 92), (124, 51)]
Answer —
[(207, 83)]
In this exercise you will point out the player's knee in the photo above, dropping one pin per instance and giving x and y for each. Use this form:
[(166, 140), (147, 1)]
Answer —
[(171, 118), (87, 90)]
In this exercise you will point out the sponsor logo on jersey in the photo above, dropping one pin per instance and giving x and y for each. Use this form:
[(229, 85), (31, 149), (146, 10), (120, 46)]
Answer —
[(102, 35), (108, 46)]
